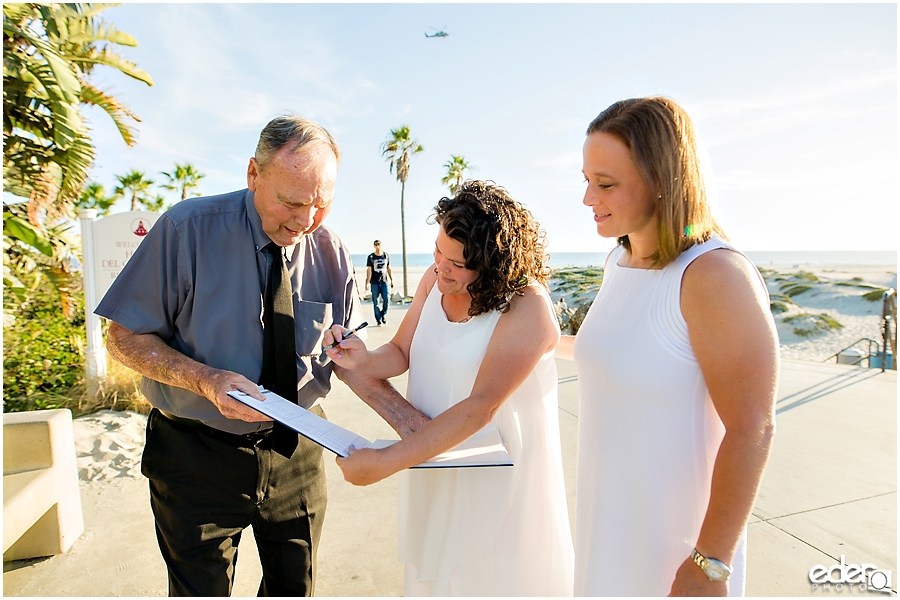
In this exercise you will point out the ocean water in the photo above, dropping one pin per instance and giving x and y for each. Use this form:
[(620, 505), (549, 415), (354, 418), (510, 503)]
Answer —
[(825, 257), (560, 259), (760, 258)]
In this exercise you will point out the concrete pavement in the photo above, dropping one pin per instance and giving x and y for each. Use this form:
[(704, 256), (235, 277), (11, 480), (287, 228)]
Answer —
[(830, 489)]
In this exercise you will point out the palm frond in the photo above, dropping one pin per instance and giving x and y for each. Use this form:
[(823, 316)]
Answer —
[(49, 50), (115, 109), (109, 58)]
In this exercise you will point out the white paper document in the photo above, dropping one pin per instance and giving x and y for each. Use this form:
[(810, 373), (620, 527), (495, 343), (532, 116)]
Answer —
[(484, 449), (321, 431)]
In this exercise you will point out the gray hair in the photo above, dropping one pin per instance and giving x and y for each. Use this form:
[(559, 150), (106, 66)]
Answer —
[(288, 129)]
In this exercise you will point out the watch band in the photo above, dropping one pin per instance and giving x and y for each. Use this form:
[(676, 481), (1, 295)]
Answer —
[(714, 569)]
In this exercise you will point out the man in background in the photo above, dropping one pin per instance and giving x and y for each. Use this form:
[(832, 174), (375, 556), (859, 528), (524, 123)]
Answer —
[(377, 265)]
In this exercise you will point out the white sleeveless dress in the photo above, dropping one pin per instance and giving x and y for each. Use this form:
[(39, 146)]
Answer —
[(488, 531), (648, 435)]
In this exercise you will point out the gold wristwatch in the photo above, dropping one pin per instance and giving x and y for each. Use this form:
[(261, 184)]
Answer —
[(716, 570)]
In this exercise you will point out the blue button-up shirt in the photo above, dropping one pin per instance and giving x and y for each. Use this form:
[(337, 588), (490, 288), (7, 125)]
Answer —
[(198, 280)]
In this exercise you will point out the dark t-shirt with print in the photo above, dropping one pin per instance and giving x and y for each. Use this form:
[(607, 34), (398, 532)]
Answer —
[(379, 266)]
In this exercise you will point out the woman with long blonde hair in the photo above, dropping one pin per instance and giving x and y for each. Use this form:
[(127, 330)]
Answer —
[(677, 365)]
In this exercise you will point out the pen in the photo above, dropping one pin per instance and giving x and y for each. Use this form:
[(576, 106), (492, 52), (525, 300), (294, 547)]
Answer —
[(352, 331)]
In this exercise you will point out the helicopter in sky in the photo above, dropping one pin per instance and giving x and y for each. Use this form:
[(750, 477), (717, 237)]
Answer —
[(438, 34)]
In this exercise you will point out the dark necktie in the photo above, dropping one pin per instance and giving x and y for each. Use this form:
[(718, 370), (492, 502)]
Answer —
[(279, 370)]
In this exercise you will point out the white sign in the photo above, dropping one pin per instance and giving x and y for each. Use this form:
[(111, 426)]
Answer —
[(116, 237)]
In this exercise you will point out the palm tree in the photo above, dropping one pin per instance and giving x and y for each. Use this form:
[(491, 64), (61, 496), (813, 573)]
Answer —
[(184, 178), (398, 149), (456, 168), (154, 204), (135, 183), (49, 52), (94, 196)]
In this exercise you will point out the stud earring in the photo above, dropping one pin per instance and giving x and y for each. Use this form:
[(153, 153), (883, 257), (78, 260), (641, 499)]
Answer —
[(435, 271)]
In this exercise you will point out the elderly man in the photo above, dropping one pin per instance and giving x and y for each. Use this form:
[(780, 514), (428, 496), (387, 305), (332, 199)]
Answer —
[(224, 293)]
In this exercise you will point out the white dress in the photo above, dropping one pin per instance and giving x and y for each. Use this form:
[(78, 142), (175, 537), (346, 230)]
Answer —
[(647, 435), (489, 531)]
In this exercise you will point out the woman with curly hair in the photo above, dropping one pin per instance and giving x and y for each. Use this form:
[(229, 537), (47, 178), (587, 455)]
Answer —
[(478, 341)]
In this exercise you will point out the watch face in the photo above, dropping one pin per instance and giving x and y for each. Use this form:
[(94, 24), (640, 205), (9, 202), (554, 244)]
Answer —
[(715, 570)]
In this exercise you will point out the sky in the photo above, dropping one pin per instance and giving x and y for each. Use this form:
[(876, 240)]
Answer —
[(795, 104)]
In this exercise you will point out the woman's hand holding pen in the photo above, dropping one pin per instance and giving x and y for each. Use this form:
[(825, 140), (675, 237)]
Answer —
[(344, 348)]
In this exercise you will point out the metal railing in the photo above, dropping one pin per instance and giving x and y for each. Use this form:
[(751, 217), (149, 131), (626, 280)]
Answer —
[(868, 355), (888, 338)]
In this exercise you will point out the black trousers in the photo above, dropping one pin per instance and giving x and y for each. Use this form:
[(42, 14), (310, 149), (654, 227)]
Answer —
[(205, 489)]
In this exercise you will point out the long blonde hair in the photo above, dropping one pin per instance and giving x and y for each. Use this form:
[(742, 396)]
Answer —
[(663, 145)]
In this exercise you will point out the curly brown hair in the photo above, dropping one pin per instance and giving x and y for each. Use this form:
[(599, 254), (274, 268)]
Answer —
[(501, 241)]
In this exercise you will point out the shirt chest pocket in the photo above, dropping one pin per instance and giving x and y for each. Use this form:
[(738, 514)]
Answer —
[(311, 319)]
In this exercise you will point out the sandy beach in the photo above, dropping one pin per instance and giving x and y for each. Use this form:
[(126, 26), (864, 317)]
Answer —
[(804, 292), (109, 444), (839, 294)]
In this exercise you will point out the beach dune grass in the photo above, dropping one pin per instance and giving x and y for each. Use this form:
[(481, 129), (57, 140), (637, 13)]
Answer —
[(794, 289), (796, 283), (577, 281), (858, 284), (808, 324), (780, 303), (579, 285), (805, 276), (874, 292)]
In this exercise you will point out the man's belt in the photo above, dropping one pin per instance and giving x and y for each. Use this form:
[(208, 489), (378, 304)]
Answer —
[(235, 439)]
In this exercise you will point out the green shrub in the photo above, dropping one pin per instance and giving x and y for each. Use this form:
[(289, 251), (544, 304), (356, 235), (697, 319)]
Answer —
[(42, 350)]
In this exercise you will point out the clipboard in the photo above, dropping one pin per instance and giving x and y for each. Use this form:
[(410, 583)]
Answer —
[(309, 425), (484, 449)]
